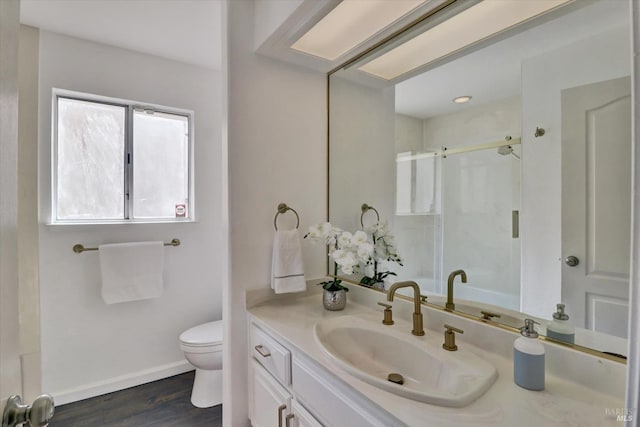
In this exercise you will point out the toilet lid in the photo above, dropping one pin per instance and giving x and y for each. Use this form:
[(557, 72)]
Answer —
[(202, 335)]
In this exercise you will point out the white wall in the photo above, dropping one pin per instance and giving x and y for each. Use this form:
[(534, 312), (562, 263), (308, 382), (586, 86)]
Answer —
[(28, 212), (9, 325), (89, 347), (269, 16), (598, 58), (277, 153), (362, 153)]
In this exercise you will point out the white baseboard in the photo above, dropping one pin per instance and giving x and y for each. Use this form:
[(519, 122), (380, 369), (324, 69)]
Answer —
[(120, 383)]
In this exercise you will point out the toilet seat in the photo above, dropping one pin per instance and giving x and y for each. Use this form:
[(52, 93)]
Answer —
[(205, 335)]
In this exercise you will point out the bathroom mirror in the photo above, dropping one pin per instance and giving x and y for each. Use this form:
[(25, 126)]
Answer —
[(526, 186)]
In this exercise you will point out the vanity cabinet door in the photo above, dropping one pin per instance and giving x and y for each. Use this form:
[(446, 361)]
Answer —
[(302, 418), (269, 402)]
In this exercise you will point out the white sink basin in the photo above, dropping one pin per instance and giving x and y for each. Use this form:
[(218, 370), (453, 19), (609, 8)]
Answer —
[(371, 351)]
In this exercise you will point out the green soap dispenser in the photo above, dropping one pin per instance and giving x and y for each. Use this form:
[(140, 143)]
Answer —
[(528, 358), (560, 328)]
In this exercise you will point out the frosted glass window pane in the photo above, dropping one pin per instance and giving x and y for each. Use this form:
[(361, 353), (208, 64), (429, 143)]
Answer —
[(160, 165), (90, 169), (403, 183), (425, 183)]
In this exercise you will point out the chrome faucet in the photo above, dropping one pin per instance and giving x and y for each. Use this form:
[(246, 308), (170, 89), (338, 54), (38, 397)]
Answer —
[(450, 305), (417, 313)]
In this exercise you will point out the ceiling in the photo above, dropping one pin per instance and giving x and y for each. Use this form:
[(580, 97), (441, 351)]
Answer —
[(494, 72), (182, 30)]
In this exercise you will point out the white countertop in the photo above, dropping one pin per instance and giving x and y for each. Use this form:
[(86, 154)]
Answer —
[(562, 403)]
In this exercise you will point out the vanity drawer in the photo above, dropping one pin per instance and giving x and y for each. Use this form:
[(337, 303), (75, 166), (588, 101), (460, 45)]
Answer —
[(271, 354)]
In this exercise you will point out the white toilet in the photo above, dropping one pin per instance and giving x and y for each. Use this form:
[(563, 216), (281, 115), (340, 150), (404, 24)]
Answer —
[(202, 346)]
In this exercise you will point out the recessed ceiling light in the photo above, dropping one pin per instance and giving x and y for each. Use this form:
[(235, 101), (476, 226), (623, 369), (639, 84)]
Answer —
[(472, 25), (462, 99), (350, 23)]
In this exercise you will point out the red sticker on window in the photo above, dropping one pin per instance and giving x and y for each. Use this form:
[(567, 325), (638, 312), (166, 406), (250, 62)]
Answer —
[(181, 210)]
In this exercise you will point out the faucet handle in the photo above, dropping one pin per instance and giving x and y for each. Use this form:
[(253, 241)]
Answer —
[(450, 338), (388, 314), (487, 315), (423, 298)]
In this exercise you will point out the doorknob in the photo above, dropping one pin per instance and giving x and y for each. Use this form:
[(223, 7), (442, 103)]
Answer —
[(571, 261), (37, 414)]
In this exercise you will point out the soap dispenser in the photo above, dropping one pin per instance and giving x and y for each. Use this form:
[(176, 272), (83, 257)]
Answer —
[(528, 358), (559, 328)]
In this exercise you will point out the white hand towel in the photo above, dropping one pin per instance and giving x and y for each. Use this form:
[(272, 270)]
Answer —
[(131, 271), (287, 272)]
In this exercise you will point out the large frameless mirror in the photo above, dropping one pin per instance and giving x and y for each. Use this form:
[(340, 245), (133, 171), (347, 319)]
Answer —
[(506, 164)]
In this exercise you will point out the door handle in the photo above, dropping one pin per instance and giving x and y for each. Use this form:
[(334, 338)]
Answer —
[(281, 409), (571, 261), (37, 414), (287, 420)]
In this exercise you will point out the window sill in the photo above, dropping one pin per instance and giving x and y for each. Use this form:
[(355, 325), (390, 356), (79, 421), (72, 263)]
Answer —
[(94, 225)]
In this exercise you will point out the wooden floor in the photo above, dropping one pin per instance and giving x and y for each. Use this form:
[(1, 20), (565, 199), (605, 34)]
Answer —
[(160, 403)]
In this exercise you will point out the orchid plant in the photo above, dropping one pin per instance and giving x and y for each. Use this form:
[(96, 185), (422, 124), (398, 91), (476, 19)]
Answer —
[(347, 251), (384, 252), (351, 252)]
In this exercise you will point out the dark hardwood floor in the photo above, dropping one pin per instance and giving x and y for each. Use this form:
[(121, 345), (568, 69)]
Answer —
[(163, 403)]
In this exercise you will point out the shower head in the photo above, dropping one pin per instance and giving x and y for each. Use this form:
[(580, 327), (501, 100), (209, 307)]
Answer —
[(506, 150)]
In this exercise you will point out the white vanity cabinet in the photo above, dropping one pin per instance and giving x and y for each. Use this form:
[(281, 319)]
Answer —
[(287, 389), (270, 402)]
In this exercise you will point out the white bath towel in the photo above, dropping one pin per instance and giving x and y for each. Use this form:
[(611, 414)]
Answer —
[(131, 271), (287, 272)]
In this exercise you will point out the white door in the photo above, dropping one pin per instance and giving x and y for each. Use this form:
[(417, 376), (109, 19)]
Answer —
[(596, 204), (10, 375)]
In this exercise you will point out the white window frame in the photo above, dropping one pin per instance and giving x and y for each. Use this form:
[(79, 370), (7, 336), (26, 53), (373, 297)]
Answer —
[(130, 107)]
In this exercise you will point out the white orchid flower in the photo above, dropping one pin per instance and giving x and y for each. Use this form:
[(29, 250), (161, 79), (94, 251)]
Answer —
[(332, 243), (347, 270), (344, 240), (359, 237), (347, 262), (365, 252), (338, 255), (325, 229), (315, 232)]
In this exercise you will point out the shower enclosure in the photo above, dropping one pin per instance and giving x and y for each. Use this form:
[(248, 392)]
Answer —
[(458, 208)]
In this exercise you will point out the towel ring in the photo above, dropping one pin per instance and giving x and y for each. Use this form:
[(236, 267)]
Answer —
[(282, 208), (365, 208)]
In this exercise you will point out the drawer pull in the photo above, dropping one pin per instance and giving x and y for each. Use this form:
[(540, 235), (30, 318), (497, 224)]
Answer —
[(261, 350), (281, 409), (287, 422)]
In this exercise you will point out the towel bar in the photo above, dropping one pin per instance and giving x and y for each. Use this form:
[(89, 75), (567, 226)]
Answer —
[(282, 208), (78, 248)]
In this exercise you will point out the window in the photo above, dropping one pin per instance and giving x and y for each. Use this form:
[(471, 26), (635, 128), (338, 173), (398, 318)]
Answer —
[(119, 161), (415, 184)]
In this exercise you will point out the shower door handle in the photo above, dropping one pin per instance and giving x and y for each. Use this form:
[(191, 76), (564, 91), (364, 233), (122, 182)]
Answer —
[(571, 261)]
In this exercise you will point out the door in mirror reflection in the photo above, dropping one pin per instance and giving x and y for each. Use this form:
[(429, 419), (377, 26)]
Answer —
[(596, 209)]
